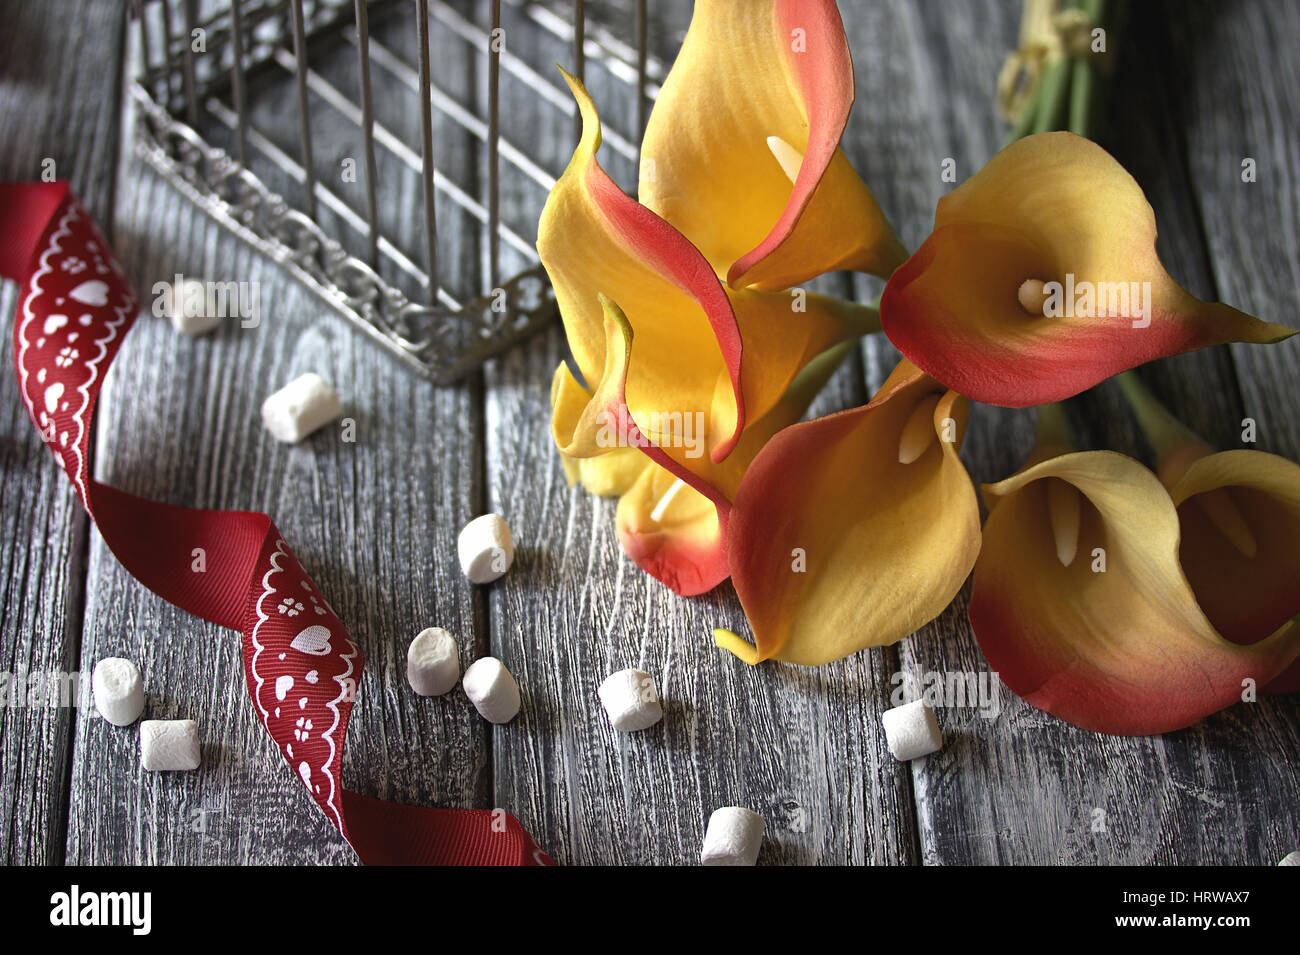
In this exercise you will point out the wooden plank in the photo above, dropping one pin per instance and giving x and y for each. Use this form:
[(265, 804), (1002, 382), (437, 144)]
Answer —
[(43, 536), (1244, 101), (373, 521), (801, 746), (1024, 787)]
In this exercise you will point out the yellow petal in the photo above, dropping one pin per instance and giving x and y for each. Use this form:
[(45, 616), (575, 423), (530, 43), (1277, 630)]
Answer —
[(673, 532), (594, 240), (835, 545), (748, 72), (1246, 596), (584, 424), (1115, 642), (701, 351), (1051, 208)]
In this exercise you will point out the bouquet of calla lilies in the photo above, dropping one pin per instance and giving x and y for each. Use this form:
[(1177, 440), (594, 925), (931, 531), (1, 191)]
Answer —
[(1121, 600)]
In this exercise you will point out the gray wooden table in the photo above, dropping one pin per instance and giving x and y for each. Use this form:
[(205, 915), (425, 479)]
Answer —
[(1198, 87)]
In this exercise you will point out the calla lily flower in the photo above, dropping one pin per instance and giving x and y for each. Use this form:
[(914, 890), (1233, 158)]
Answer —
[(1081, 603), (1041, 279), (855, 529), (741, 152), (691, 331), (709, 359), (1239, 514), (675, 527), (1239, 519), (671, 518)]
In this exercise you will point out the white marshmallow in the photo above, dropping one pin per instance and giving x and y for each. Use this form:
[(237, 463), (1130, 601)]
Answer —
[(432, 663), (492, 690), (119, 694), (733, 837), (1292, 858), (190, 296), (169, 744), (118, 691), (911, 730), (485, 548), (300, 407), (631, 700)]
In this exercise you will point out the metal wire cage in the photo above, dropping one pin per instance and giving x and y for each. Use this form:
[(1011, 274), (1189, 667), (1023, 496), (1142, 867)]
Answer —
[(318, 132)]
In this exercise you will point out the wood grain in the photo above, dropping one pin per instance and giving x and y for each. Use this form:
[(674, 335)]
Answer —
[(1023, 787), (58, 99), (801, 746), (374, 522), (1198, 87)]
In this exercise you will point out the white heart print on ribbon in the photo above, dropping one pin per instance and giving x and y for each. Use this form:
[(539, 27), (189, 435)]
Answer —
[(52, 396), (93, 292), (283, 685), (314, 640)]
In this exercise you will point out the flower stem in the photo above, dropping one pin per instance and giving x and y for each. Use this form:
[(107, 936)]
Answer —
[(1053, 427), (1055, 88), (1163, 430)]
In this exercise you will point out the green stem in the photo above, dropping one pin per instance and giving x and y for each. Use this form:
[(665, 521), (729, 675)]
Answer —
[(1052, 428), (1162, 429), (1081, 82), (1055, 89)]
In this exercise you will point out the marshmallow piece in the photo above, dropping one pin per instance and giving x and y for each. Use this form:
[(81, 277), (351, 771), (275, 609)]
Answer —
[(485, 548), (631, 700), (299, 408), (1292, 858), (432, 663), (911, 730), (119, 694), (733, 837), (492, 690), (188, 308), (169, 744)]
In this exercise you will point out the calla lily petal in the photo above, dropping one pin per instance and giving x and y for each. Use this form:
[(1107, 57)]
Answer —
[(748, 72), (673, 532), (595, 240), (1124, 649), (970, 307), (691, 332), (1245, 597), (581, 420), (673, 523), (588, 447), (836, 545)]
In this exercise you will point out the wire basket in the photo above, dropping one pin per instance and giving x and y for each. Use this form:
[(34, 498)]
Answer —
[(318, 132)]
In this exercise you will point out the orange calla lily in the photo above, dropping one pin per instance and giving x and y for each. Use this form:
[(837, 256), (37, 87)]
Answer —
[(855, 529), (1239, 521), (691, 332), (675, 528), (671, 518), (1041, 279), (1245, 572), (1081, 603), (741, 152), (708, 360)]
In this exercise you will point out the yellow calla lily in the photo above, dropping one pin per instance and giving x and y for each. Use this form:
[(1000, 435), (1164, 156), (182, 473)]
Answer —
[(671, 517), (678, 533), (855, 529), (1041, 279), (741, 152), (1242, 561), (1081, 604), (727, 355)]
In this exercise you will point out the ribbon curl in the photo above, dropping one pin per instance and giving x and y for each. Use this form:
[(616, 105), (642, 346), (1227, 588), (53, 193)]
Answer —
[(302, 669)]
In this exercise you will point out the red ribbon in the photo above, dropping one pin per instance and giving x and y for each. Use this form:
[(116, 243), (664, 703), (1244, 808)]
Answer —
[(229, 567)]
